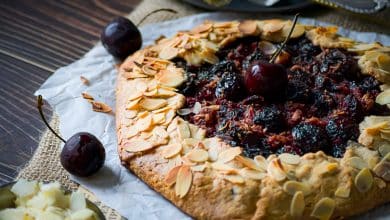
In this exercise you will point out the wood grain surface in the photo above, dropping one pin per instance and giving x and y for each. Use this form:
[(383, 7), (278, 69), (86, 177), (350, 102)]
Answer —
[(36, 38)]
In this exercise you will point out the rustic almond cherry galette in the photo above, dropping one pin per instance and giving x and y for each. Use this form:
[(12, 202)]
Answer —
[(224, 129)]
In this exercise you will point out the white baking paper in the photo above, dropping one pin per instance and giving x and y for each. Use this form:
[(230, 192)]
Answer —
[(114, 185)]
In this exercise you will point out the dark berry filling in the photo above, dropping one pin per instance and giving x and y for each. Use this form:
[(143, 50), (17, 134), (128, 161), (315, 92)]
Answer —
[(314, 99)]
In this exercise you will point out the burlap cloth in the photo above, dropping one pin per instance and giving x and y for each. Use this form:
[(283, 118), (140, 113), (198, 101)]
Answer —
[(45, 165)]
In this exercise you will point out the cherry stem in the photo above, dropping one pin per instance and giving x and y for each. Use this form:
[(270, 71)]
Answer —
[(39, 105), (155, 11), (276, 54)]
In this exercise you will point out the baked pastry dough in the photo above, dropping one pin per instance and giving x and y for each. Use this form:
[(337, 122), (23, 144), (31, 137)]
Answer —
[(209, 179)]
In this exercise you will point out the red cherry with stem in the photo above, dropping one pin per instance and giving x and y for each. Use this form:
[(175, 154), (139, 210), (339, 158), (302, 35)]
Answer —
[(267, 78), (83, 154), (121, 36)]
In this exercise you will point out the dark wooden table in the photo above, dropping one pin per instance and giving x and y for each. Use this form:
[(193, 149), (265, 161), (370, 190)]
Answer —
[(36, 38)]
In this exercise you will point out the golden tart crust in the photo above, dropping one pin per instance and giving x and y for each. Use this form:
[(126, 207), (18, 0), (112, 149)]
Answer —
[(207, 178)]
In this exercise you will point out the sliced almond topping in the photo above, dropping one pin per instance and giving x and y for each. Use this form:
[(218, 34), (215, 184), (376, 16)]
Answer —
[(291, 187), (298, 31), (275, 170), (170, 178), (197, 107), (234, 179), (133, 104), (249, 163), (364, 180), (273, 26), (151, 93), (343, 191), (383, 98), (198, 168), (202, 28), (160, 132), (144, 123), (229, 154), (171, 150), (364, 47), (152, 104), (159, 118), (87, 96), (168, 53), (382, 169), (267, 47), (184, 111), (187, 161), (169, 116), (183, 181), (138, 145), (197, 155), (183, 130), (324, 208), (141, 86), (380, 183), (200, 134), (252, 174), (148, 70), (261, 162), (172, 78), (297, 205), (131, 132), (100, 107), (383, 61), (84, 80), (161, 92), (357, 162), (248, 27), (130, 114), (223, 167), (291, 159), (134, 75)]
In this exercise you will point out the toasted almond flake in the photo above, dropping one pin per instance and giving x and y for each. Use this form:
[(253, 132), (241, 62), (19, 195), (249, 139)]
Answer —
[(357, 162), (324, 208), (248, 27), (234, 179), (148, 70), (161, 132), (382, 169), (343, 191), (380, 183), (100, 107), (383, 98), (384, 149), (364, 180), (252, 174), (202, 28), (275, 170), (261, 162), (84, 80), (173, 78), (151, 93), (190, 142), (223, 167), (170, 178), (152, 104), (87, 96), (184, 111), (183, 130), (133, 104), (229, 154), (297, 205), (273, 26), (138, 145), (198, 168), (168, 53), (164, 110), (332, 167), (183, 181), (364, 47), (131, 132), (267, 47), (162, 92), (187, 161), (172, 150), (169, 116), (291, 187), (249, 163), (200, 134), (144, 123), (291, 159), (197, 155), (159, 118), (224, 24), (197, 107), (141, 86)]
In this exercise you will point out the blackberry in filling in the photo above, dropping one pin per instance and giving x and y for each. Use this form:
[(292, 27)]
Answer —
[(312, 99)]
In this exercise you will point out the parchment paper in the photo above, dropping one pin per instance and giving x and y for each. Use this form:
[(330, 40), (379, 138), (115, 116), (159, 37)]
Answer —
[(114, 185)]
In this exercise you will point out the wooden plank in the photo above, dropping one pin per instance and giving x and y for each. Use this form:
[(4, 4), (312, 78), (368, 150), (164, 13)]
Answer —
[(37, 37)]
